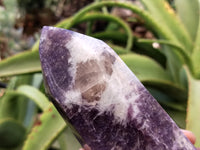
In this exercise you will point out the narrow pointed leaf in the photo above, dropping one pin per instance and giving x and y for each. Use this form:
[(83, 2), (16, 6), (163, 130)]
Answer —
[(188, 11), (149, 20), (178, 116), (12, 133), (193, 117), (10, 106), (11, 97), (152, 74), (165, 15), (34, 94), (63, 142), (145, 68), (25, 62), (14, 106), (47, 129), (72, 143), (111, 18), (196, 53)]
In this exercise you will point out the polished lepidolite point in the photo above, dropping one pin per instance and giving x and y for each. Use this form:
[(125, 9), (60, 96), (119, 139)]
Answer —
[(107, 106)]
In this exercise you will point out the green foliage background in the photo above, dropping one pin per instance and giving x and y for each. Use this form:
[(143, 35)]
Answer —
[(171, 72)]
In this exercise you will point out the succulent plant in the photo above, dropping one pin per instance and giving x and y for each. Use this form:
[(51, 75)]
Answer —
[(170, 71)]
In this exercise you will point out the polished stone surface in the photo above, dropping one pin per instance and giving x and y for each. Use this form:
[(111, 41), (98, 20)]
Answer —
[(96, 92)]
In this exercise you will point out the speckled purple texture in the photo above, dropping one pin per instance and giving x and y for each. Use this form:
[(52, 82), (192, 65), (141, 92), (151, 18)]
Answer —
[(102, 99)]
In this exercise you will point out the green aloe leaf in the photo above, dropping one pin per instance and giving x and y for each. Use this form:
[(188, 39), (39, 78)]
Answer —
[(193, 111), (114, 36), (62, 141), (178, 116), (11, 99), (166, 101), (176, 110), (196, 52), (174, 63), (111, 18), (173, 46), (196, 62), (28, 62), (14, 106), (171, 51), (151, 73), (12, 133), (47, 129), (165, 15), (145, 68), (148, 19), (9, 107), (188, 12), (118, 49), (51, 123), (68, 141), (25, 62), (142, 46), (34, 94)]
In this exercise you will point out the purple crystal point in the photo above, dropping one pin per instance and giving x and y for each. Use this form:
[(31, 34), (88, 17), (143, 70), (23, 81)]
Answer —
[(101, 98)]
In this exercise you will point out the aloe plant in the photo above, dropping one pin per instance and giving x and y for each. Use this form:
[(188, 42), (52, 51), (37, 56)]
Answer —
[(171, 73)]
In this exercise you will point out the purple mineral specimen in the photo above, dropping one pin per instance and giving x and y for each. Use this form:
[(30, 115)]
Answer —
[(101, 98)]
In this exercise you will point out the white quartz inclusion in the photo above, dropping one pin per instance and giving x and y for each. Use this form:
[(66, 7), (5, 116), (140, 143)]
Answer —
[(82, 49)]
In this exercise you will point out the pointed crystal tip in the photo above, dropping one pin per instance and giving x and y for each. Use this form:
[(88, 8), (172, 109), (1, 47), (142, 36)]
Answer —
[(101, 98)]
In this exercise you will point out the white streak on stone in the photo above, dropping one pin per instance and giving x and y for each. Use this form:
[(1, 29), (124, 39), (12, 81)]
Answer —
[(81, 52), (87, 49), (119, 102), (73, 97)]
